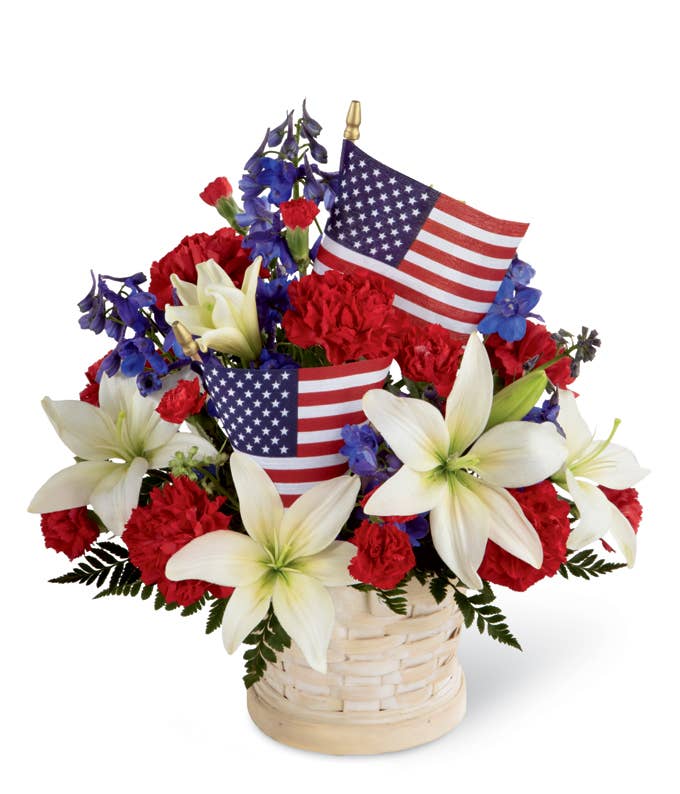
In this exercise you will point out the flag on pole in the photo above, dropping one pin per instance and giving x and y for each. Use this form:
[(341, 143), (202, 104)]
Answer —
[(290, 420), (444, 260)]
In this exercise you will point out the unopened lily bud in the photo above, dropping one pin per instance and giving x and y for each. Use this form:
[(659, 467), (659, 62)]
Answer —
[(516, 400)]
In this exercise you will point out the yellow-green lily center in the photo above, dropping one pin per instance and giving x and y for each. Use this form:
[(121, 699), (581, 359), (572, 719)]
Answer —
[(453, 463)]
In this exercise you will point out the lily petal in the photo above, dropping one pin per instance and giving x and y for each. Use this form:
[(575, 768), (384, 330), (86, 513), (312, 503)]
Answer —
[(576, 430), (316, 517), (117, 494), (193, 317), (330, 566), (514, 454), (405, 493), (469, 404), (623, 535), (86, 430), (187, 293), (305, 610), (227, 340), (414, 429), (70, 487), (223, 557), (247, 606), (595, 511), (260, 504), (614, 467), (508, 526), (460, 530)]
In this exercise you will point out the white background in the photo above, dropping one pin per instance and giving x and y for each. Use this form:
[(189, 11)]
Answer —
[(115, 117)]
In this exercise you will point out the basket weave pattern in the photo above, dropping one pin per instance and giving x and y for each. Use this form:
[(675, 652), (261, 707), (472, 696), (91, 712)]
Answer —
[(383, 669)]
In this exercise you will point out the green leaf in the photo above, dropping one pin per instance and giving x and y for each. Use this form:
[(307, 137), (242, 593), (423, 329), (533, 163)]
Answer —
[(216, 614), (586, 564), (477, 608), (105, 565), (266, 638)]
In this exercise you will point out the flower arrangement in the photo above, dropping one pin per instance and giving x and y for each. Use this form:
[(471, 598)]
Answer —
[(245, 448)]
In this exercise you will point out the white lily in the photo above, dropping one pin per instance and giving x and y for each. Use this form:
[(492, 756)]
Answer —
[(288, 559), (592, 462), (221, 315), (459, 472), (117, 443)]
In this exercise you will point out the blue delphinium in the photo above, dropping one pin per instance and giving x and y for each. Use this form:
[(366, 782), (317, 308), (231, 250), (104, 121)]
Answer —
[(270, 359), (361, 449), (520, 272), (508, 314), (548, 412), (279, 176), (272, 303), (105, 309)]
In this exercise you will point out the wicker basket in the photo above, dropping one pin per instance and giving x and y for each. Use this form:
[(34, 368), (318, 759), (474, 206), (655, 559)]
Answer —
[(393, 681)]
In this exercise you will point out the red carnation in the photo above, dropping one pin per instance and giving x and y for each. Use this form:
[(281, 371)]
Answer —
[(384, 555), (217, 189), (549, 515), (90, 394), (430, 353), (71, 531), (628, 502), (298, 213), (224, 247), (350, 315), (508, 358), (182, 401), (177, 513)]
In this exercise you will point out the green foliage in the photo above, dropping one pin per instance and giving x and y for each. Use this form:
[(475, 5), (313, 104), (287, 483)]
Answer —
[(438, 587), (105, 561), (216, 614), (394, 599), (478, 609), (267, 638), (587, 565)]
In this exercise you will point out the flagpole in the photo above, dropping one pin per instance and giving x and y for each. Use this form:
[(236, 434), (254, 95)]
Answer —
[(353, 121)]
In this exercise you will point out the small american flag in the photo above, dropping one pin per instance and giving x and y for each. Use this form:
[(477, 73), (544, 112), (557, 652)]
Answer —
[(290, 420), (445, 260)]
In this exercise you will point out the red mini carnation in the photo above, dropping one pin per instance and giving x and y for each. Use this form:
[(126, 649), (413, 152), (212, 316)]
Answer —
[(384, 555), (177, 513), (71, 531), (217, 189), (298, 213), (224, 246), (508, 358), (182, 401), (549, 515), (430, 353), (90, 394), (628, 502), (350, 315)]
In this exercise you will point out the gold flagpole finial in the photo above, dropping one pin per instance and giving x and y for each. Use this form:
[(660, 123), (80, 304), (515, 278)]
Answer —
[(353, 121), (186, 340)]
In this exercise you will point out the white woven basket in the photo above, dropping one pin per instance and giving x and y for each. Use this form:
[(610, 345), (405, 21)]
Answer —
[(393, 681)]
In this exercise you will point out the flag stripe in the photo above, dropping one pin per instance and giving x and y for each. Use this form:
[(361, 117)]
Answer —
[(333, 255), (476, 251), (462, 330), (303, 464), (428, 245), (330, 422), (336, 396), (331, 447), (464, 272), (354, 368), (469, 230), (405, 286), (443, 278), (297, 475), (480, 220)]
